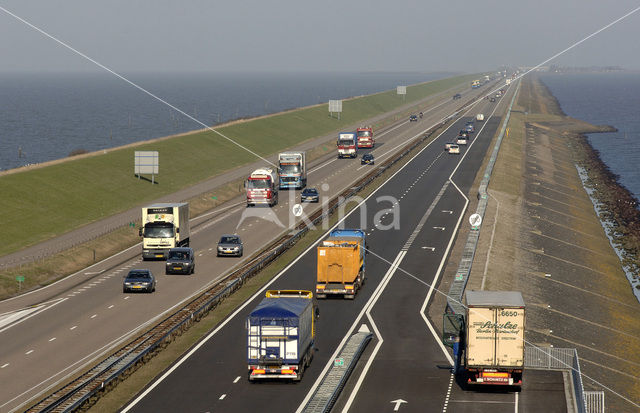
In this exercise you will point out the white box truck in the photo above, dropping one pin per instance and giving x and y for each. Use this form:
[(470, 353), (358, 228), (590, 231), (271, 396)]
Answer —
[(164, 226), (494, 339)]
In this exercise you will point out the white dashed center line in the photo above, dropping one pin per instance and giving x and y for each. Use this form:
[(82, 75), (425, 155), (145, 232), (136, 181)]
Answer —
[(28, 352), (94, 316), (111, 306), (51, 339), (73, 328), (237, 379), (4, 365), (126, 298), (222, 397)]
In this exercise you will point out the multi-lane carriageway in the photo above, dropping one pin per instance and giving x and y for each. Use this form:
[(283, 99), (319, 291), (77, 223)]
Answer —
[(51, 333), (405, 361)]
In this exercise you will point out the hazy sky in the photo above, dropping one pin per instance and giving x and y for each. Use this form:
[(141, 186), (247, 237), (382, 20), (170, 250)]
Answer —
[(301, 35)]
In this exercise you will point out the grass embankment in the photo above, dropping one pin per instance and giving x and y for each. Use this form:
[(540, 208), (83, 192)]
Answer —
[(50, 200), (41, 203), (550, 245)]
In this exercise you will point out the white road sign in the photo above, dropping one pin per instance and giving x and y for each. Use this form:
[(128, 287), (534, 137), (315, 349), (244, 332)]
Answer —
[(475, 220)]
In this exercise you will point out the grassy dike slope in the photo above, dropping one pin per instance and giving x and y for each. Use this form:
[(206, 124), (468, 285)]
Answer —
[(41, 203), (548, 243)]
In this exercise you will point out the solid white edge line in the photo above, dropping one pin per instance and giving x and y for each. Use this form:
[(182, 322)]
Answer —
[(45, 307), (363, 374), (446, 254)]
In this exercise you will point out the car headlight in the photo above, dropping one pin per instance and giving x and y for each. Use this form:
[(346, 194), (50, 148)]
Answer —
[(127, 283), (236, 248), (220, 248)]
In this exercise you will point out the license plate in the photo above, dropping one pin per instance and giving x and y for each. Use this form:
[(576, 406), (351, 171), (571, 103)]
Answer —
[(177, 268), (137, 286), (159, 255)]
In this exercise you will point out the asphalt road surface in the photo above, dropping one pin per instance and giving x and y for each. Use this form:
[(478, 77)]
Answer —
[(405, 360), (51, 333)]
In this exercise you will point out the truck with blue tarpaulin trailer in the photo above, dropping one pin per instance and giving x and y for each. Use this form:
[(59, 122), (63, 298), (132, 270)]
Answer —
[(281, 335)]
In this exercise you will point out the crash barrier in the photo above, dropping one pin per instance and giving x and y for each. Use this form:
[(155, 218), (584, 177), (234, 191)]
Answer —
[(566, 359), (327, 392), (86, 389), (456, 290)]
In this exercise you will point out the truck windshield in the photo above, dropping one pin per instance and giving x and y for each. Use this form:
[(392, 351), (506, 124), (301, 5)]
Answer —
[(258, 184), (290, 169), (346, 142), (364, 133), (158, 231)]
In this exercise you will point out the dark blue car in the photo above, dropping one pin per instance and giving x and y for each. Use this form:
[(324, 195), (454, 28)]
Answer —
[(310, 195)]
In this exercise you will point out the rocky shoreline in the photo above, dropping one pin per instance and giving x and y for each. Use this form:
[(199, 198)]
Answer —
[(615, 205)]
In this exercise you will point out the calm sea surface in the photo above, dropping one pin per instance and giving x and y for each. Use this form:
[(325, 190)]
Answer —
[(611, 99), (45, 117)]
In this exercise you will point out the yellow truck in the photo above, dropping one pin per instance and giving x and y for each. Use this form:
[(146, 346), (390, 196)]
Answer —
[(341, 260)]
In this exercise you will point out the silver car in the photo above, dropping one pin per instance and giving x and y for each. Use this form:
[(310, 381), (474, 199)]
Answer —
[(230, 245)]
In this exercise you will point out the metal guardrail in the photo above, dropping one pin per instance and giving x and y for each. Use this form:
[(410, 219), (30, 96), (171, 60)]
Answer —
[(551, 358), (106, 374), (456, 290), (326, 394)]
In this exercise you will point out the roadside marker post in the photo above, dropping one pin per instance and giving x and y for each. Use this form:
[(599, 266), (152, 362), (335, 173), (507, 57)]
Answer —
[(20, 279)]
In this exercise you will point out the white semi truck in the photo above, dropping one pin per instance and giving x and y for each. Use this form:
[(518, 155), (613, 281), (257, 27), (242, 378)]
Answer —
[(164, 226), (494, 338)]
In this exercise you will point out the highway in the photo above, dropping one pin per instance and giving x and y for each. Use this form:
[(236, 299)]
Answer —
[(51, 333), (405, 360)]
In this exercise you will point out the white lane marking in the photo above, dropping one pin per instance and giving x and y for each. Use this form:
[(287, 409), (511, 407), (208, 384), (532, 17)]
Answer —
[(4, 365), (42, 308), (126, 298), (51, 339), (264, 288), (236, 380), (222, 397), (372, 301), (73, 328), (446, 400), (94, 316), (28, 352), (111, 306), (516, 403)]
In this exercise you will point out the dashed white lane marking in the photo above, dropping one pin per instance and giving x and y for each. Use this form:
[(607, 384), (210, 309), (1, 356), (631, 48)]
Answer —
[(4, 365), (222, 397), (73, 328), (237, 379), (111, 306), (94, 316), (446, 400), (126, 298), (28, 352), (52, 339)]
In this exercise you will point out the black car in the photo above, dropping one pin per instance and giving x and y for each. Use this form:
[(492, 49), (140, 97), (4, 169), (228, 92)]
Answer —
[(413, 118), (180, 261), (230, 245), (367, 159), (464, 133), (457, 96), (310, 195), (139, 280)]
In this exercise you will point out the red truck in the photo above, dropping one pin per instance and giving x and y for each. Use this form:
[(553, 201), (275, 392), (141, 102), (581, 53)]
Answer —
[(365, 137), (262, 187)]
